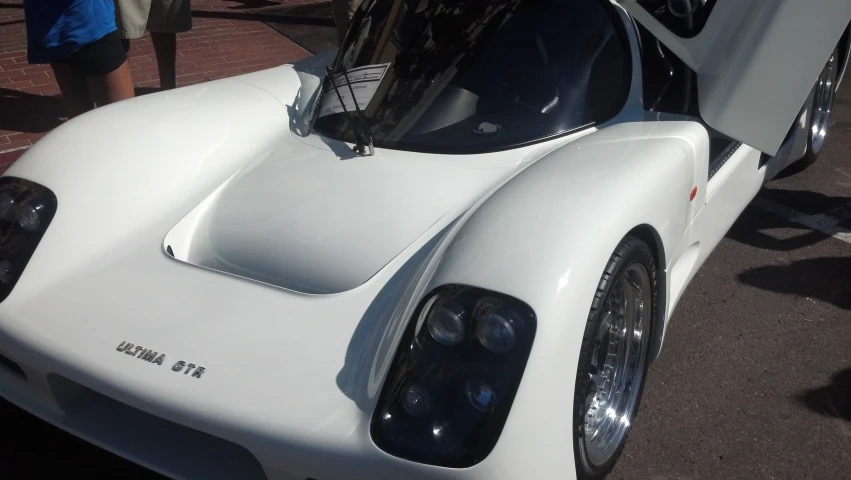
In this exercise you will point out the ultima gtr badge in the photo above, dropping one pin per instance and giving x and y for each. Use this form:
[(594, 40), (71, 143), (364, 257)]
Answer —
[(157, 358)]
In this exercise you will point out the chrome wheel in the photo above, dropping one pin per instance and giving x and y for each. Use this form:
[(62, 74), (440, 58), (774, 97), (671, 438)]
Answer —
[(618, 358), (825, 95)]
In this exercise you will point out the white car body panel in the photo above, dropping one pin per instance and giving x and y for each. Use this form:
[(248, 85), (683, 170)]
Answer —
[(199, 316), (303, 220), (296, 350), (756, 61)]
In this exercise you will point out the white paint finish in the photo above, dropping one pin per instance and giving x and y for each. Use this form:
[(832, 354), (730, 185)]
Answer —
[(681, 272), (757, 61), (247, 335), (728, 193), (112, 191), (294, 378), (545, 238), (100, 277), (827, 223), (306, 220)]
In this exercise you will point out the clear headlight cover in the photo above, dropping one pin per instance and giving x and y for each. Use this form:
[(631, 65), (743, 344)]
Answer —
[(454, 377), (26, 210)]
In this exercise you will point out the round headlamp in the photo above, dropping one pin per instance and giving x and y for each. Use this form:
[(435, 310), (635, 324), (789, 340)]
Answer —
[(7, 272), (29, 215), (26, 211), (7, 207), (446, 324), (415, 400), (480, 395), (496, 333)]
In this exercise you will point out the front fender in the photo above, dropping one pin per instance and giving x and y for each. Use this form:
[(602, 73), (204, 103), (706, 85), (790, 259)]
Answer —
[(122, 168), (545, 238), (167, 137)]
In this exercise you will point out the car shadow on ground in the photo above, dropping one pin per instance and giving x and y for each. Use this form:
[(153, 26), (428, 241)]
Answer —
[(752, 226), (26, 112), (35, 449), (824, 279), (30, 113), (821, 279), (833, 400)]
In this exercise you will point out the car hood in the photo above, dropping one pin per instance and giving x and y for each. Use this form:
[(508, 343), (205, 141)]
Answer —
[(312, 218)]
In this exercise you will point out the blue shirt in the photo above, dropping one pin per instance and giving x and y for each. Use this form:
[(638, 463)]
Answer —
[(56, 29)]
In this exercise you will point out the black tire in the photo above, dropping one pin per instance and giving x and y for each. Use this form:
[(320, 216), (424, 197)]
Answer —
[(630, 250)]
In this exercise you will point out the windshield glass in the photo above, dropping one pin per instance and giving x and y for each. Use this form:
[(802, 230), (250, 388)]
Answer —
[(472, 76)]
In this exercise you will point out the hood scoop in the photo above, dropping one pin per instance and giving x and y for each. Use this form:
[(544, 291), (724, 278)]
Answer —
[(305, 220)]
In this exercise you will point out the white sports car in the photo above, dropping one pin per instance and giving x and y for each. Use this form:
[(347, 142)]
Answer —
[(447, 250)]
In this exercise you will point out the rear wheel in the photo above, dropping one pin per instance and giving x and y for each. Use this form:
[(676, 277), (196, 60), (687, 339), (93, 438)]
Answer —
[(614, 357), (824, 97)]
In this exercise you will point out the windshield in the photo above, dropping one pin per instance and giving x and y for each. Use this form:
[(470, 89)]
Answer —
[(473, 76)]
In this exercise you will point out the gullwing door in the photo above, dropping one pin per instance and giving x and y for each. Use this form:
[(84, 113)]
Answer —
[(756, 60)]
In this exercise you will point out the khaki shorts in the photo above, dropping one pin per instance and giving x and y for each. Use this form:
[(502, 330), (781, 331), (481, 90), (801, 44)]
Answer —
[(133, 17)]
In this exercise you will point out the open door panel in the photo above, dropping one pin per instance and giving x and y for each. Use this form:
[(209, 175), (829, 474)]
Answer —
[(756, 60)]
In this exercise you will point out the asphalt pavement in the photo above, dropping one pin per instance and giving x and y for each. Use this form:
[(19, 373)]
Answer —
[(754, 380)]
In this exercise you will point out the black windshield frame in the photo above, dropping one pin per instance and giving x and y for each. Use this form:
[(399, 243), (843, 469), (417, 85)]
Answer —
[(618, 96)]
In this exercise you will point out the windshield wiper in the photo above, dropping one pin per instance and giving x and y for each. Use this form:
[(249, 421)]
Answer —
[(363, 136)]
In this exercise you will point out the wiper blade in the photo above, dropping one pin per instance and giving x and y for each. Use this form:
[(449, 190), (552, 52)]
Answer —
[(364, 128), (363, 136)]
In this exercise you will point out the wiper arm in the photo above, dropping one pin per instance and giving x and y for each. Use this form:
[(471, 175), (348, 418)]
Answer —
[(357, 121), (364, 128)]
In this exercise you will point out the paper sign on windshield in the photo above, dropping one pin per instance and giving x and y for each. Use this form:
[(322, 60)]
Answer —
[(364, 81)]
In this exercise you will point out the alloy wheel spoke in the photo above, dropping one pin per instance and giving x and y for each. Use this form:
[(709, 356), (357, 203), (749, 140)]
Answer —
[(618, 362)]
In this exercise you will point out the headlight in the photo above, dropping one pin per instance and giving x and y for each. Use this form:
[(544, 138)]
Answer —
[(26, 209), (453, 379), (7, 206), (496, 333), (29, 215), (446, 324)]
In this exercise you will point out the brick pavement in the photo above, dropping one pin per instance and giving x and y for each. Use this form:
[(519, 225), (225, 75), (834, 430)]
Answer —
[(228, 37)]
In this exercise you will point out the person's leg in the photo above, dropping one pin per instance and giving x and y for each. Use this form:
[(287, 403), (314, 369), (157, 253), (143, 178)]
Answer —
[(106, 69), (353, 7), (340, 12), (343, 11), (165, 47), (115, 86), (75, 91), (166, 19)]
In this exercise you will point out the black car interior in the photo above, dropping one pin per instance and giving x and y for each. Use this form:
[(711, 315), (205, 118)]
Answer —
[(670, 86)]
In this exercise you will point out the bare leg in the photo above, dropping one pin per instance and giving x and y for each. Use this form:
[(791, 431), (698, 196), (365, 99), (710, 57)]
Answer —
[(74, 90), (112, 87), (340, 12), (165, 46)]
